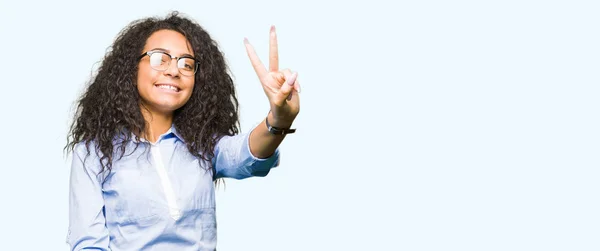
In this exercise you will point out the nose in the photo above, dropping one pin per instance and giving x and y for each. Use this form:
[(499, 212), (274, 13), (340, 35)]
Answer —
[(172, 70)]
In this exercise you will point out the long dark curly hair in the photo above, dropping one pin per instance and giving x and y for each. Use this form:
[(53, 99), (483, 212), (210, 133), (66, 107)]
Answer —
[(110, 106)]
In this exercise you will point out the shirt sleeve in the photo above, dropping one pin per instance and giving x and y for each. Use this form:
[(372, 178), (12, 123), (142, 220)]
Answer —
[(87, 228), (233, 158)]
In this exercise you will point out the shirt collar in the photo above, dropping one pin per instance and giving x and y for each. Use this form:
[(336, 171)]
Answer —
[(172, 132)]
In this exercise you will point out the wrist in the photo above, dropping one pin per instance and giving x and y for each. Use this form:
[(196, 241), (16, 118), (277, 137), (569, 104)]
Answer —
[(282, 127), (279, 122)]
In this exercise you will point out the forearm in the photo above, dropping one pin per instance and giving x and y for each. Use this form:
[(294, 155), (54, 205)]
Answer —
[(263, 143)]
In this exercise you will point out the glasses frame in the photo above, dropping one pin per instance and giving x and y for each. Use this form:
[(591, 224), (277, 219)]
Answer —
[(149, 54)]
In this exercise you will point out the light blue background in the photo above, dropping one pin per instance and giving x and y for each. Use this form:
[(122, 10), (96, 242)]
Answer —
[(424, 125)]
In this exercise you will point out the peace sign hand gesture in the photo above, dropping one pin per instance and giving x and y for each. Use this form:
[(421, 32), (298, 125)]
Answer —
[(280, 86)]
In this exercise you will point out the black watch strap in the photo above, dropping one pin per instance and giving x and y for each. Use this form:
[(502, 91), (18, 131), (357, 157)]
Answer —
[(278, 130)]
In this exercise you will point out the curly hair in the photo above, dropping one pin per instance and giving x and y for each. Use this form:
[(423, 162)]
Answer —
[(110, 106)]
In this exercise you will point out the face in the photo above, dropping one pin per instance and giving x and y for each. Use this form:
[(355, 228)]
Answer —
[(165, 91)]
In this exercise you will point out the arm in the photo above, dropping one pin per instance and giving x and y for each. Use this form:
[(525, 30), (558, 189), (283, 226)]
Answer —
[(234, 159), (87, 228), (249, 154), (262, 143)]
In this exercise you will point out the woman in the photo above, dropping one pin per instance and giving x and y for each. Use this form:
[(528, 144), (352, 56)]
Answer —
[(156, 128)]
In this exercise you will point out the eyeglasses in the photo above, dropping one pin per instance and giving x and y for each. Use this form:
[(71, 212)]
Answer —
[(160, 61)]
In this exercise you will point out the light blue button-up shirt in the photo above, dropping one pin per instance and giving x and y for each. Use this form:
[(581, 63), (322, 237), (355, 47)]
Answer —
[(156, 197)]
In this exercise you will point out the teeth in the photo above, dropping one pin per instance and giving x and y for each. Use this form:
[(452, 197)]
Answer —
[(168, 87)]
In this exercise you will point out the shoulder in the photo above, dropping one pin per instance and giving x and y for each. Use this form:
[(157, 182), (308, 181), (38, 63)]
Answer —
[(235, 138), (85, 149)]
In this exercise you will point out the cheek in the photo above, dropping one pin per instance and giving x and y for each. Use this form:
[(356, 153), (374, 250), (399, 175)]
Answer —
[(144, 79), (190, 86)]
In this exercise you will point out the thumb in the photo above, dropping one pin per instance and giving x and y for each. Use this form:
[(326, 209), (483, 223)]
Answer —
[(287, 87)]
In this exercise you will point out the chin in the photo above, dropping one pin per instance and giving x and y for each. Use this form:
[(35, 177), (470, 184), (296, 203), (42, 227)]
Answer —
[(169, 107), (164, 106)]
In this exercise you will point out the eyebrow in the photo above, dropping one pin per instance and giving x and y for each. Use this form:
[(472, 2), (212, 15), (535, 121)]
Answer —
[(168, 51)]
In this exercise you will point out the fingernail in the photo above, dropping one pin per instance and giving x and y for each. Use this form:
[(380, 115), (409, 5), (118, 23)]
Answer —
[(293, 78), (246, 41), (272, 27)]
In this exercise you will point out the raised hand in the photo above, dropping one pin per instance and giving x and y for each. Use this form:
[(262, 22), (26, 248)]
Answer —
[(280, 86)]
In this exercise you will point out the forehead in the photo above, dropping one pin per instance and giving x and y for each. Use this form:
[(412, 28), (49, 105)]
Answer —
[(174, 42)]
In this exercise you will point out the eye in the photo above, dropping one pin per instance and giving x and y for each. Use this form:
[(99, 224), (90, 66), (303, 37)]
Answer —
[(187, 64), (159, 58), (155, 59)]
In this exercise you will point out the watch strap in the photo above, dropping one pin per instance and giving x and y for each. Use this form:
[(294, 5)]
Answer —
[(278, 130)]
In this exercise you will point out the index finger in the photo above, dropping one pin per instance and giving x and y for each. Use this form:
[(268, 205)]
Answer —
[(259, 68), (273, 51)]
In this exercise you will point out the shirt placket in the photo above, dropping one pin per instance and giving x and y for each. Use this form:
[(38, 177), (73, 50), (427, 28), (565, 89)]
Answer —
[(159, 165)]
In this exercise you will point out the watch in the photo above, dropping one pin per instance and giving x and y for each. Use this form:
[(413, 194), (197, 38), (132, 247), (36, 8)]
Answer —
[(278, 130)]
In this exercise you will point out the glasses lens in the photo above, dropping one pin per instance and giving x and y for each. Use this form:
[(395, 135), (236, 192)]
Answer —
[(159, 61), (187, 66)]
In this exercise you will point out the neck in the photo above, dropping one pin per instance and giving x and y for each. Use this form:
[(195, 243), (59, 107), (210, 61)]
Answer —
[(157, 123)]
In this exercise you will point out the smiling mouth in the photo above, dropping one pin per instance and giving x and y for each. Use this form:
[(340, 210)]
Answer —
[(168, 87)]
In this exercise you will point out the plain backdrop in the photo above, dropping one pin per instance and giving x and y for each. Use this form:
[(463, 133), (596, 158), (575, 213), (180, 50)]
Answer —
[(424, 125)]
